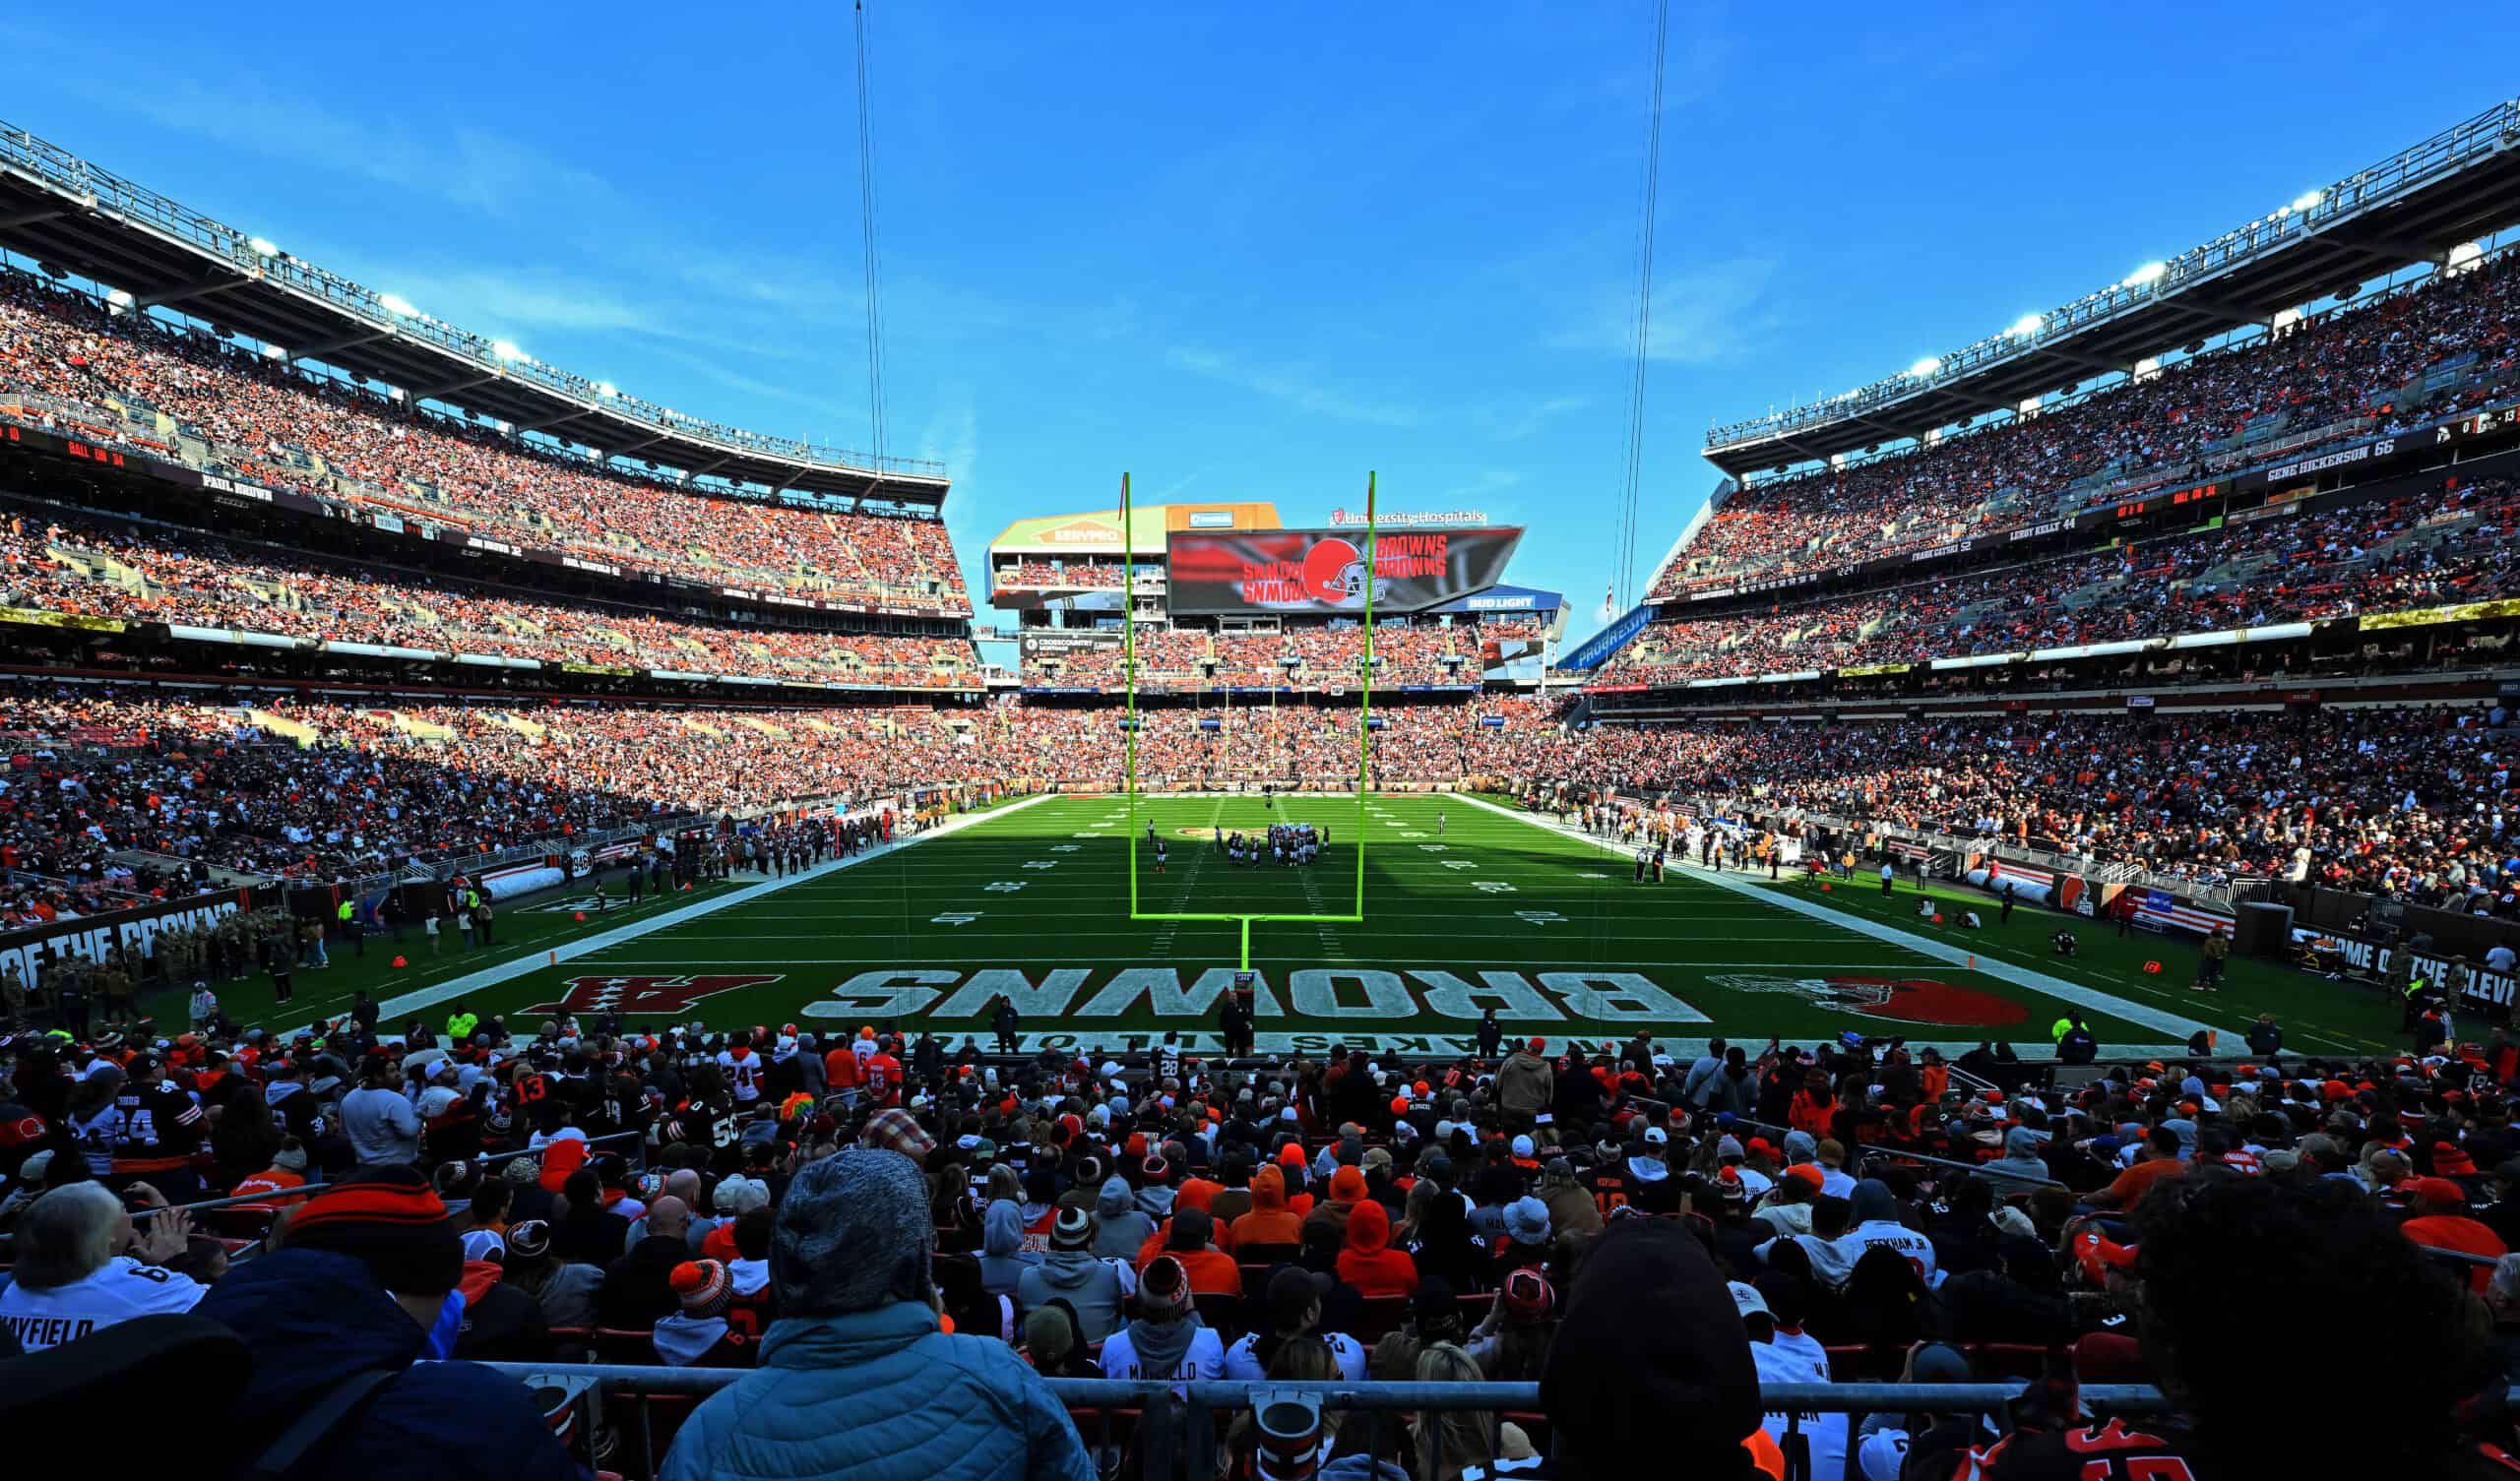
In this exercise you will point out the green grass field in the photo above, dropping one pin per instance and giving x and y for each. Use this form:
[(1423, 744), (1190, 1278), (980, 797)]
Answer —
[(1467, 906)]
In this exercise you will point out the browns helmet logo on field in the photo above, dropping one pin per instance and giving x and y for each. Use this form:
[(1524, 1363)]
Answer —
[(1910, 1000)]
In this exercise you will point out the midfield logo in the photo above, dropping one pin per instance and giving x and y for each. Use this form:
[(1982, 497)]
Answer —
[(668, 996)]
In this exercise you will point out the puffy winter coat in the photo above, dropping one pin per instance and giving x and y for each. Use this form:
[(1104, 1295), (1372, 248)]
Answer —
[(880, 1396)]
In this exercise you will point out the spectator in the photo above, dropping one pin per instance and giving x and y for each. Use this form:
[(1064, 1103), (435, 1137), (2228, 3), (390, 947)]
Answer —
[(71, 1276), (359, 1283), (1093, 1288), (857, 1353), (1165, 1339)]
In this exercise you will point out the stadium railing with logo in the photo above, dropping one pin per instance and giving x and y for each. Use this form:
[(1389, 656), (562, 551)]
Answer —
[(1161, 1421)]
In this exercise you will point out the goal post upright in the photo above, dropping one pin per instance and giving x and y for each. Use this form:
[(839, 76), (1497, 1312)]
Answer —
[(1129, 686), (1244, 919), (1365, 713)]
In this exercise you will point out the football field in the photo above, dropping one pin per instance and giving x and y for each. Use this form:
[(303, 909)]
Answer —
[(1468, 905)]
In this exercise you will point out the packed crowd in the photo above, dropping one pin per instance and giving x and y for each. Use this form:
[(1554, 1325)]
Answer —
[(2415, 803), (1324, 657), (2455, 544), (272, 424), (2343, 367), (900, 1238), (57, 561), (1072, 575)]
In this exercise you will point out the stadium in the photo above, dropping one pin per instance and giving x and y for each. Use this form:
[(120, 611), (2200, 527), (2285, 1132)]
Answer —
[(2027, 883)]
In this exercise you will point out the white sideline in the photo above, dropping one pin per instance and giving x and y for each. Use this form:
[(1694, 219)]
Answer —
[(2005, 971), (508, 971)]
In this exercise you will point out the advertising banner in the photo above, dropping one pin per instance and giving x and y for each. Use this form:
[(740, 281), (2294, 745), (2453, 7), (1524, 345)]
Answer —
[(1036, 646), (93, 936), (1321, 571)]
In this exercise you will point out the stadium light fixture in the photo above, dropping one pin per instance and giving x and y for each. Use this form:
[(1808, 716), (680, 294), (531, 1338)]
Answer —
[(505, 351), (2026, 324), (273, 353), (263, 247), (397, 305), (608, 389), (120, 298), (2307, 199), (1926, 367), (2147, 273), (2464, 254), (2287, 317)]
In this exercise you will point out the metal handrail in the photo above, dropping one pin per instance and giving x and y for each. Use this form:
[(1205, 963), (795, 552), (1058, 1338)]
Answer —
[(310, 1190)]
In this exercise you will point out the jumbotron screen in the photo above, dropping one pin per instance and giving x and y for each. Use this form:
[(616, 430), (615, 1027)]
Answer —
[(1246, 572)]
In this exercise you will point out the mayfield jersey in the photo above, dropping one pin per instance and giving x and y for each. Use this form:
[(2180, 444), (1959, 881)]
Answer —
[(121, 1289)]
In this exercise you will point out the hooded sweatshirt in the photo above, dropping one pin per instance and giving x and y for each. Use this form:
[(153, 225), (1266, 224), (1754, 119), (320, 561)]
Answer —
[(1269, 1222), (1092, 1287), (1003, 1258), (501, 1324), (1123, 1227), (2020, 1169), (1649, 1360), (1875, 1218), (1181, 1348), (1524, 1083), (1369, 1261)]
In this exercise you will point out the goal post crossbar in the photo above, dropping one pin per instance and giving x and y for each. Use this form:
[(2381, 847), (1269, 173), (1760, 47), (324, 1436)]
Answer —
[(1129, 738)]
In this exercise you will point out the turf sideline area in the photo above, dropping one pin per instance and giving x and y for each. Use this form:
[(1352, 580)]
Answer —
[(498, 973), (2020, 976)]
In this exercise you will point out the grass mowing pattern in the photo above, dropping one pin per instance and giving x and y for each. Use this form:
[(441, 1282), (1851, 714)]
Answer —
[(1464, 908)]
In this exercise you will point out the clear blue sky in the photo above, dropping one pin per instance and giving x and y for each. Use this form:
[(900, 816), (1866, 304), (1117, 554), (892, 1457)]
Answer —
[(1249, 251)]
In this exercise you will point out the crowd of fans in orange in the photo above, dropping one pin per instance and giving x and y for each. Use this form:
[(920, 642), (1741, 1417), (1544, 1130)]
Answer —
[(2456, 544), (57, 561), (271, 423), (2345, 366)]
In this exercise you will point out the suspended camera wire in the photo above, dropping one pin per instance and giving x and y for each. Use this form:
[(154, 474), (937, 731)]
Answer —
[(874, 271), (1623, 555)]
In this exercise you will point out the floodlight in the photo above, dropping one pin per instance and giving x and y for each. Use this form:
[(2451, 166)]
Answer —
[(120, 298), (263, 247), (1926, 367), (2307, 199), (273, 353), (505, 351), (2464, 254), (2148, 272), (397, 305), (606, 389), (2028, 324)]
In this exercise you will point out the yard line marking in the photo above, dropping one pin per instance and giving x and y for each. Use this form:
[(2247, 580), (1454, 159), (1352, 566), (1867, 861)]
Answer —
[(2002, 971), (586, 946)]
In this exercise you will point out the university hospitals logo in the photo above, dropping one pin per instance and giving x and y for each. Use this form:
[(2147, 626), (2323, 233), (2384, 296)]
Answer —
[(1910, 1000), (671, 996)]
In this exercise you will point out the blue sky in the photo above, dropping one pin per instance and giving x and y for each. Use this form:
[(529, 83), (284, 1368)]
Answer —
[(1246, 251)]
